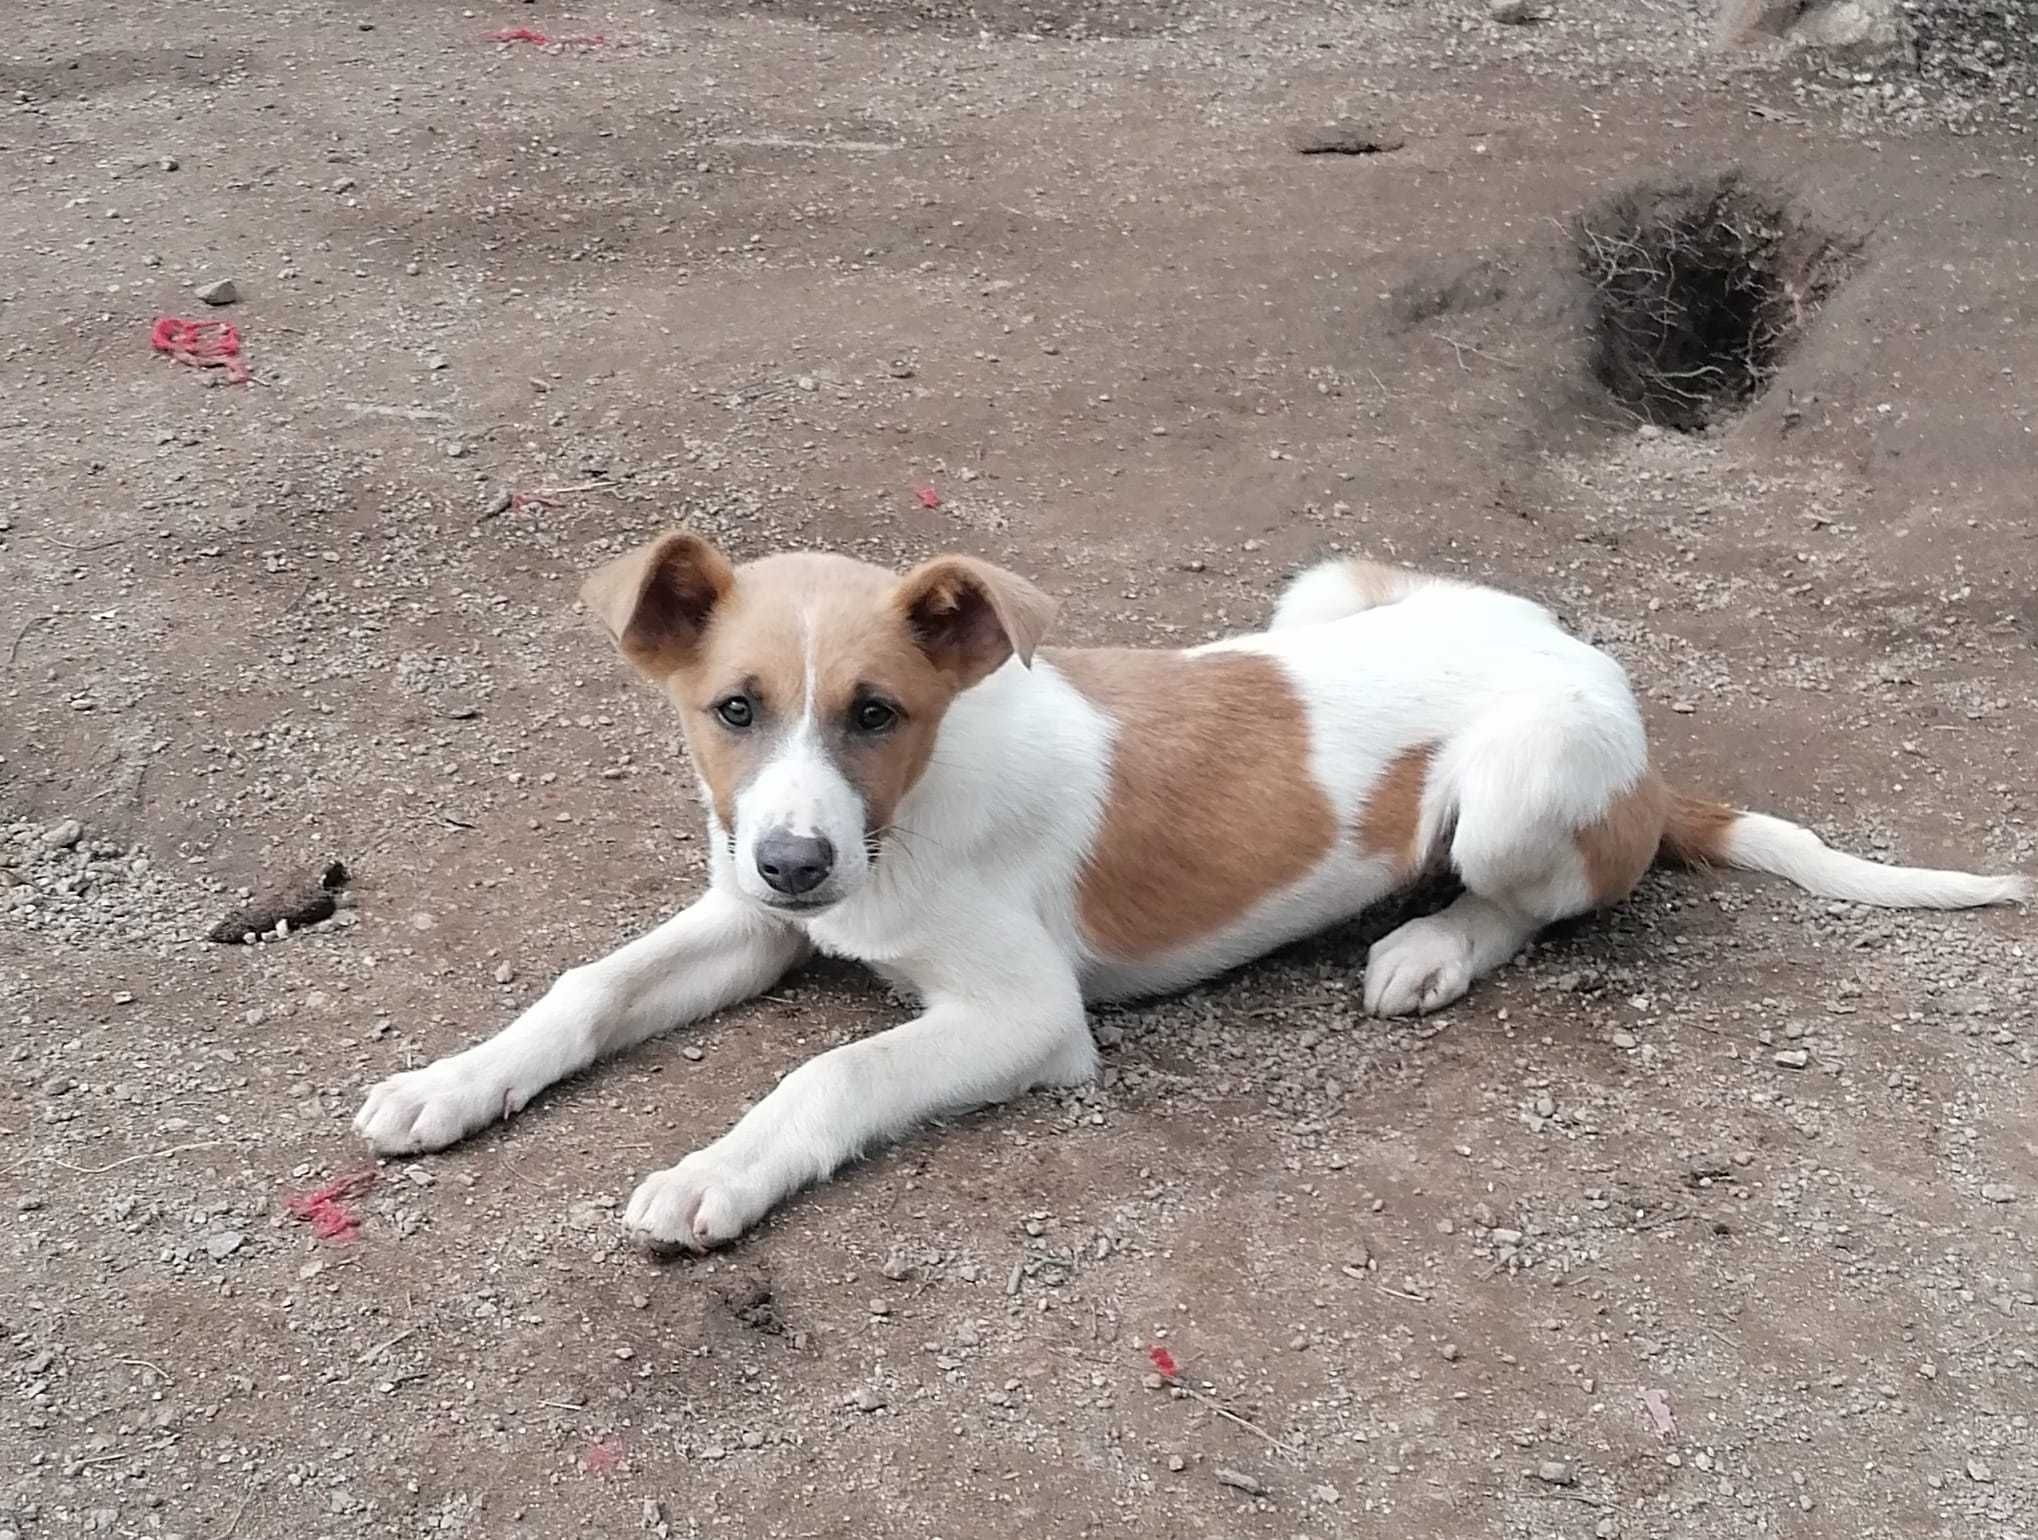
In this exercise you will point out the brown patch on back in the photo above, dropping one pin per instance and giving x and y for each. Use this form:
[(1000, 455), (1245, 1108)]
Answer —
[(1389, 826), (1622, 844), (1212, 802)]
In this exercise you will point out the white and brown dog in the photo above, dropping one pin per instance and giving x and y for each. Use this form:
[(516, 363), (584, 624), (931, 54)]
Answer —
[(893, 773)]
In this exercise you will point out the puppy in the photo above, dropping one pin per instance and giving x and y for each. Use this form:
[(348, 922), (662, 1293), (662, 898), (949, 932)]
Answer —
[(896, 771)]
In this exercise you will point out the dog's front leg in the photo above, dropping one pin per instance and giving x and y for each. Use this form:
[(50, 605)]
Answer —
[(711, 954), (994, 1027)]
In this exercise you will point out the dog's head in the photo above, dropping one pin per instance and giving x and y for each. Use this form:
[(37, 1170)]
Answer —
[(811, 688)]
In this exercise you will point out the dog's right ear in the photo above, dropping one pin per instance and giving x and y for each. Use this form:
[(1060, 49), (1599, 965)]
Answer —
[(656, 601)]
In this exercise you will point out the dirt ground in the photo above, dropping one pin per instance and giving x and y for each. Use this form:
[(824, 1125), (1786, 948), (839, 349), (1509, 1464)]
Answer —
[(1711, 1218)]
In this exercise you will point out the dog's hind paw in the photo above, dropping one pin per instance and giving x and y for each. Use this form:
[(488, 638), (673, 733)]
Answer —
[(1422, 967)]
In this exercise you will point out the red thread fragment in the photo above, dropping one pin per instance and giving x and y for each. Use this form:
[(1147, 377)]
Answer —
[(329, 1217), (201, 344), (543, 39), (1164, 1361), (929, 498)]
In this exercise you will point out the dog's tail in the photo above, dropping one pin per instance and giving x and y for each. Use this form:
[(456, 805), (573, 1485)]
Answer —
[(1700, 833)]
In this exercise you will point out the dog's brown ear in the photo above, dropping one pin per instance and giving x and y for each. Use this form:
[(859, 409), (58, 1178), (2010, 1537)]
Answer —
[(656, 600), (969, 616)]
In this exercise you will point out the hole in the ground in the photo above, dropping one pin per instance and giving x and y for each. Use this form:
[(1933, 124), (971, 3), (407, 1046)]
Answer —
[(1697, 290)]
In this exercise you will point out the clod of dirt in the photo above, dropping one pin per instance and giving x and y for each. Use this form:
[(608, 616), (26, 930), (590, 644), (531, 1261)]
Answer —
[(305, 901), (1347, 139), (1698, 288), (753, 1304)]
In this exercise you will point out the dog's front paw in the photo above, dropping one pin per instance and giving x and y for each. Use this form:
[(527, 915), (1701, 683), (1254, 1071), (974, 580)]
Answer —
[(707, 1200), (430, 1108)]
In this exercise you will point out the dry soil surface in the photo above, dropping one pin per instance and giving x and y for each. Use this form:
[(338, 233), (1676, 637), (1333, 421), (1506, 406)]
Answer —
[(1711, 1218)]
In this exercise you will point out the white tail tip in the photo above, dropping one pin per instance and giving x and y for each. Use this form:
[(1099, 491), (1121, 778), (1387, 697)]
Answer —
[(1758, 843)]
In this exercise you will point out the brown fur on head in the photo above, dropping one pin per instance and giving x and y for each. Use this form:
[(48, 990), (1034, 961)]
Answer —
[(830, 667)]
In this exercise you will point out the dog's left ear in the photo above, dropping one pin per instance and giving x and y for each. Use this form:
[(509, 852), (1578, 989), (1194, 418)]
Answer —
[(657, 600), (969, 616)]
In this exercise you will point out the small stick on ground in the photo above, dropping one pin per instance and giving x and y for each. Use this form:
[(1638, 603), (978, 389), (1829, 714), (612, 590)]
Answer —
[(369, 1355), (234, 1523), (129, 1160), (22, 635), (1230, 1416)]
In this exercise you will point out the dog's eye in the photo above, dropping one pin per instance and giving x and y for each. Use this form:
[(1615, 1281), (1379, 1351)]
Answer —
[(736, 711), (873, 716)]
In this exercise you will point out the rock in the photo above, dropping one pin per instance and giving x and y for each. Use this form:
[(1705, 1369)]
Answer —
[(168, 162), (504, 973), (1999, 1192), (868, 1400), (1978, 1471), (221, 291), (1511, 13), (1625, 1040), (62, 836), (1556, 1473), (222, 1244), (1861, 31), (1239, 1481), (1793, 1058)]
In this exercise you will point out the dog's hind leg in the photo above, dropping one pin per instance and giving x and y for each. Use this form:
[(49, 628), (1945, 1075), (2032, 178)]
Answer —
[(711, 954), (1553, 818)]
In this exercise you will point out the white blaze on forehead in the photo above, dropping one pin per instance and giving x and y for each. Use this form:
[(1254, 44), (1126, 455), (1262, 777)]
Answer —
[(800, 789)]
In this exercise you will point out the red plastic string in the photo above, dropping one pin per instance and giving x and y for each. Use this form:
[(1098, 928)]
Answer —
[(543, 39), (331, 1219), (201, 344)]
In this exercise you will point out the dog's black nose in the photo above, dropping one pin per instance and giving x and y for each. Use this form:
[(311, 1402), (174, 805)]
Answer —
[(794, 863)]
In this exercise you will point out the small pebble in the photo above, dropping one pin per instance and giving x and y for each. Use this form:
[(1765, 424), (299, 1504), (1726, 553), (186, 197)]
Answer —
[(1239, 1481), (1793, 1058), (1556, 1473), (222, 1244), (220, 292), (1999, 1192)]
